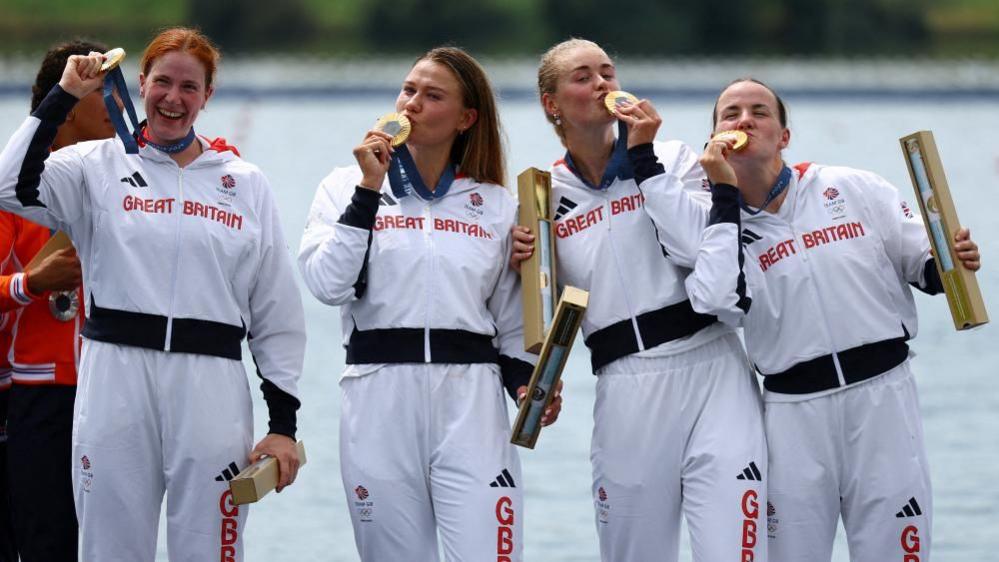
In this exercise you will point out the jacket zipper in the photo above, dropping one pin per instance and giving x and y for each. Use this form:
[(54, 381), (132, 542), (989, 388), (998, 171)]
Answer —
[(176, 263), (620, 275), (429, 255)]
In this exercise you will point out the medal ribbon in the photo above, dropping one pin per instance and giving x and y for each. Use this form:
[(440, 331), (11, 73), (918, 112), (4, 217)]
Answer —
[(619, 165), (405, 178), (169, 148), (114, 80), (783, 180)]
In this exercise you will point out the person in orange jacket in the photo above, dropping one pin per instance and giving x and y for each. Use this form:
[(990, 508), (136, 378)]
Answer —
[(43, 309)]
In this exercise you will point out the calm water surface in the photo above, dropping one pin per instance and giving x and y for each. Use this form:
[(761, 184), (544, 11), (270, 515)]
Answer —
[(297, 141)]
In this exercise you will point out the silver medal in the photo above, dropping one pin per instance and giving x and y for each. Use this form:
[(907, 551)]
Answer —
[(64, 305)]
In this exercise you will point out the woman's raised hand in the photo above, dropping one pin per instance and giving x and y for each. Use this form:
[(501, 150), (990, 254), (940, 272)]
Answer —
[(82, 74), (373, 156)]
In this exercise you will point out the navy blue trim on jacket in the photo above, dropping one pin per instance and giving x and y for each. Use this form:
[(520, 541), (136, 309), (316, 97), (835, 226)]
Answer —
[(406, 345), (52, 113), (361, 213), (726, 208), (188, 335), (858, 364), (656, 327)]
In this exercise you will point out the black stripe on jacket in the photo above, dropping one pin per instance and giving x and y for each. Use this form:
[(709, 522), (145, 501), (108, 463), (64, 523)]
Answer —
[(52, 113)]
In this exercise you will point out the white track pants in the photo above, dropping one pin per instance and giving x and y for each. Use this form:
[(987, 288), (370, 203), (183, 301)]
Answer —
[(147, 422), (680, 434), (425, 449), (858, 452)]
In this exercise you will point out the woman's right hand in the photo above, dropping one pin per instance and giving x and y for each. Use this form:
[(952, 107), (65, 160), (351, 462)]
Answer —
[(715, 163), (374, 155), (82, 74), (523, 245)]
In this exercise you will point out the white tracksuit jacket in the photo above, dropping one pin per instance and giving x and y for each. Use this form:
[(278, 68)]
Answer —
[(606, 244), (418, 281), (825, 280), (174, 259)]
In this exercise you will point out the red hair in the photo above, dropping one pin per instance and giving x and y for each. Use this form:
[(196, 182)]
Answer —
[(186, 40)]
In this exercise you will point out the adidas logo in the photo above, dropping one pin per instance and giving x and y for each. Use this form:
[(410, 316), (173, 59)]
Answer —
[(228, 473), (910, 509), (748, 236), (750, 473), (135, 180), (565, 205), (503, 480), (386, 199)]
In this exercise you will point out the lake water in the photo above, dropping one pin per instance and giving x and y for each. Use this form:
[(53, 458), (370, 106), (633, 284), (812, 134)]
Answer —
[(296, 141)]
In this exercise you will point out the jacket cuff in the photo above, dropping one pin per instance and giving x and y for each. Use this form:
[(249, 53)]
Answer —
[(644, 162), (56, 105), (724, 204), (19, 289), (362, 209), (282, 408), (932, 284), (516, 373)]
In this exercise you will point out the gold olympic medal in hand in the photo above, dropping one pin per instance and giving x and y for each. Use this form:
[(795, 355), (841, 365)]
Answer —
[(618, 98), (396, 125), (112, 59), (739, 138)]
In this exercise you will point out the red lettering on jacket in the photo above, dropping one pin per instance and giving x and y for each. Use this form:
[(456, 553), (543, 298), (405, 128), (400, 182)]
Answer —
[(910, 544), (504, 531), (751, 512), (230, 527)]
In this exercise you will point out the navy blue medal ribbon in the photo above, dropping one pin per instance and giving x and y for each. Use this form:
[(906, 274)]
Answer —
[(619, 165), (170, 148), (783, 180), (405, 178), (114, 80)]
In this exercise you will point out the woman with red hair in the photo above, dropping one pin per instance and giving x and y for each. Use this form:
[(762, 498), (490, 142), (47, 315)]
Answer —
[(182, 255)]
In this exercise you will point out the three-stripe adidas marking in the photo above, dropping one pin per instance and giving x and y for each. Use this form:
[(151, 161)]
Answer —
[(386, 200), (748, 236), (135, 180), (565, 205), (228, 473), (910, 509), (750, 473), (503, 480)]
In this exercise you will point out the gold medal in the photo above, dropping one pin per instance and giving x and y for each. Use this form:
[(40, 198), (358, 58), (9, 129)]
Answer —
[(740, 139), (112, 59), (63, 305), (394, 124), (618, 98)]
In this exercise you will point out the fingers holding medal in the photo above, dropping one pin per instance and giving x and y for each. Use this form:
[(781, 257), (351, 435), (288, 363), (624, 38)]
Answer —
[(715, 162), (640, 116), (374, 154)]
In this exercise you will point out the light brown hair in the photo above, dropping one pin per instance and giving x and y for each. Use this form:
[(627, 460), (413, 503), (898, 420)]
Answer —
[(551, 68), (187, 40), (478, 152)]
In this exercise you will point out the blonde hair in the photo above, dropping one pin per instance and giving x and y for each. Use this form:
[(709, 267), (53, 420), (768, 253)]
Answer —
[(551, 68), (478, 152)]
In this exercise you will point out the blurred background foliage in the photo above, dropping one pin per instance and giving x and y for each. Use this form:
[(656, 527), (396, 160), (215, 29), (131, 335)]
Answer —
[(657, 28)]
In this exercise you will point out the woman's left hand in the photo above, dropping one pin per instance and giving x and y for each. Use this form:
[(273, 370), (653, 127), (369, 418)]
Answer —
[(642, 120), (282, 448), (553, 410), (967, 250)]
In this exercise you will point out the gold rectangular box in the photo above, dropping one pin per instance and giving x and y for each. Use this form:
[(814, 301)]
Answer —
[(537, 273), (933, 194), (58, 241), (548, 371), (258, 479)]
